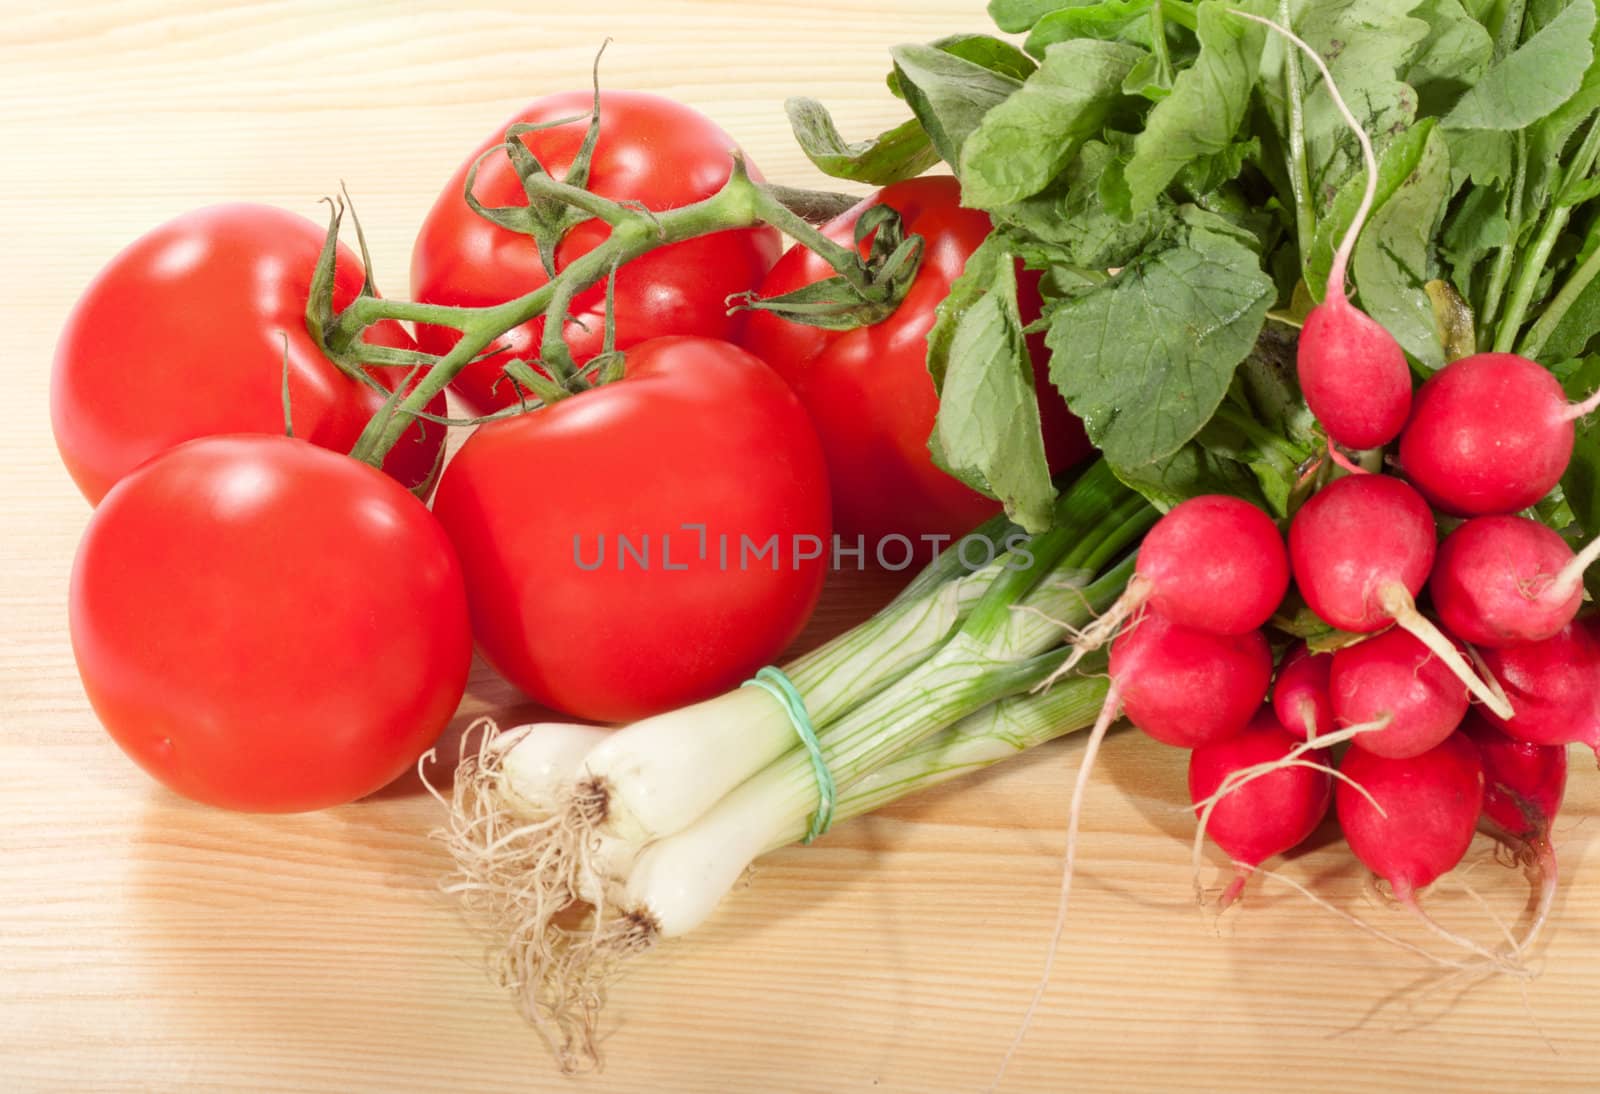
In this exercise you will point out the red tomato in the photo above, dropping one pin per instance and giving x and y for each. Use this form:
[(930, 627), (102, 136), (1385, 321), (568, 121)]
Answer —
[(608, 540), (650, 150), (868, 389), (265, 625), (184, 334)]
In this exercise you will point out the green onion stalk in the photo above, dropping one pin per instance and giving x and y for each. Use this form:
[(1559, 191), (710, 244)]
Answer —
[(578, 848)]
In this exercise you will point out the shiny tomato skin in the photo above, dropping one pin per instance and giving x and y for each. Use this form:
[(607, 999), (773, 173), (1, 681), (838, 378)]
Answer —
[(868, 389), (651, 150), (184, 333), (265, 625), (697, 432)]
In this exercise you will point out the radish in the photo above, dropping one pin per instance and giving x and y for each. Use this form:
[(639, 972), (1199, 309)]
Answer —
[(1419, 819), (1523, 787), (1361, 549), (1352, 372), (1213, 562), (1393, 674), (1255, 816), (1554, 686), (1411, 820), (1504, 581), (1300, 693), (1187, 687), (1490, 433)]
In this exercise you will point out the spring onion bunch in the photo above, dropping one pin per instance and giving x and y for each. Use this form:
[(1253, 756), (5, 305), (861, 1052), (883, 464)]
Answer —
[(577, 847)]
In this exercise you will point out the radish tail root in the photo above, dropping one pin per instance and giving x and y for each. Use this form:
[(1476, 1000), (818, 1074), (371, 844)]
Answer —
[(1574, 411), (1235, 887), (1125, 611), (1356, 921), (1537, 857), (1571, 575), (1398, 603), (1108, 714), (1507, 963), (1545, 870)]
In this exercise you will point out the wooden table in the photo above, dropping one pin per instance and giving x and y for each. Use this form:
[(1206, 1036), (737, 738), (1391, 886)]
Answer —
[(148, 944)]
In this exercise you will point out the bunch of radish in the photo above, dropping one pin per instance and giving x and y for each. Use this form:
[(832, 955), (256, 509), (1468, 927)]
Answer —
[(1501, 651), (1483, 438)]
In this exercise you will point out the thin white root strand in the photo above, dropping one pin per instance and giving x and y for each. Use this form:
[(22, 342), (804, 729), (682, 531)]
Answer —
[(1108, 714), (1537, 858), (1398, 603), (1505, 963), (1513, 947), (1125, 611), (1520, 947), (1341, 257), (1354, 920)]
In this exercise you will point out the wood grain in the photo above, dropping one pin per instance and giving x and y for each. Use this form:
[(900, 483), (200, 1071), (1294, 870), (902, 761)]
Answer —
[(148, 944)]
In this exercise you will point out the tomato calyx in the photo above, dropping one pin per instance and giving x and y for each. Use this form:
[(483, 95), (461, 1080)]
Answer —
[(547, 217), (865, 290)]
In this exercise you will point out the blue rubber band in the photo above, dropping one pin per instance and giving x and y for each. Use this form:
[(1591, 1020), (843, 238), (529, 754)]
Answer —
[(773, 681)]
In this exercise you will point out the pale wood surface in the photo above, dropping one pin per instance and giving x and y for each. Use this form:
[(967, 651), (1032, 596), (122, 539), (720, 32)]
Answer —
[(146, 944)]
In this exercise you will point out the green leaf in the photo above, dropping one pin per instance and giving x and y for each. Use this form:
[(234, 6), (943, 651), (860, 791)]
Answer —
[(1211, 173), (1016, 16), (1149, 79), (1581, 483), (1533, 80), (1189, 472), (1392, 256), (1146, 358), (1024, 142), (949, 95), (987, 51), (1547, 140), (1482, 156), (1111, 20), (983, 50), (1072, 216), (1396, 161), (1451, 58), (1206, 107), (987, 433), (899, 153), (977, 277), (1477, 226)]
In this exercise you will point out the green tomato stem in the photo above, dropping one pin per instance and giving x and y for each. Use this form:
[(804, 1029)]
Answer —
[(845, 261), (738, 204)]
